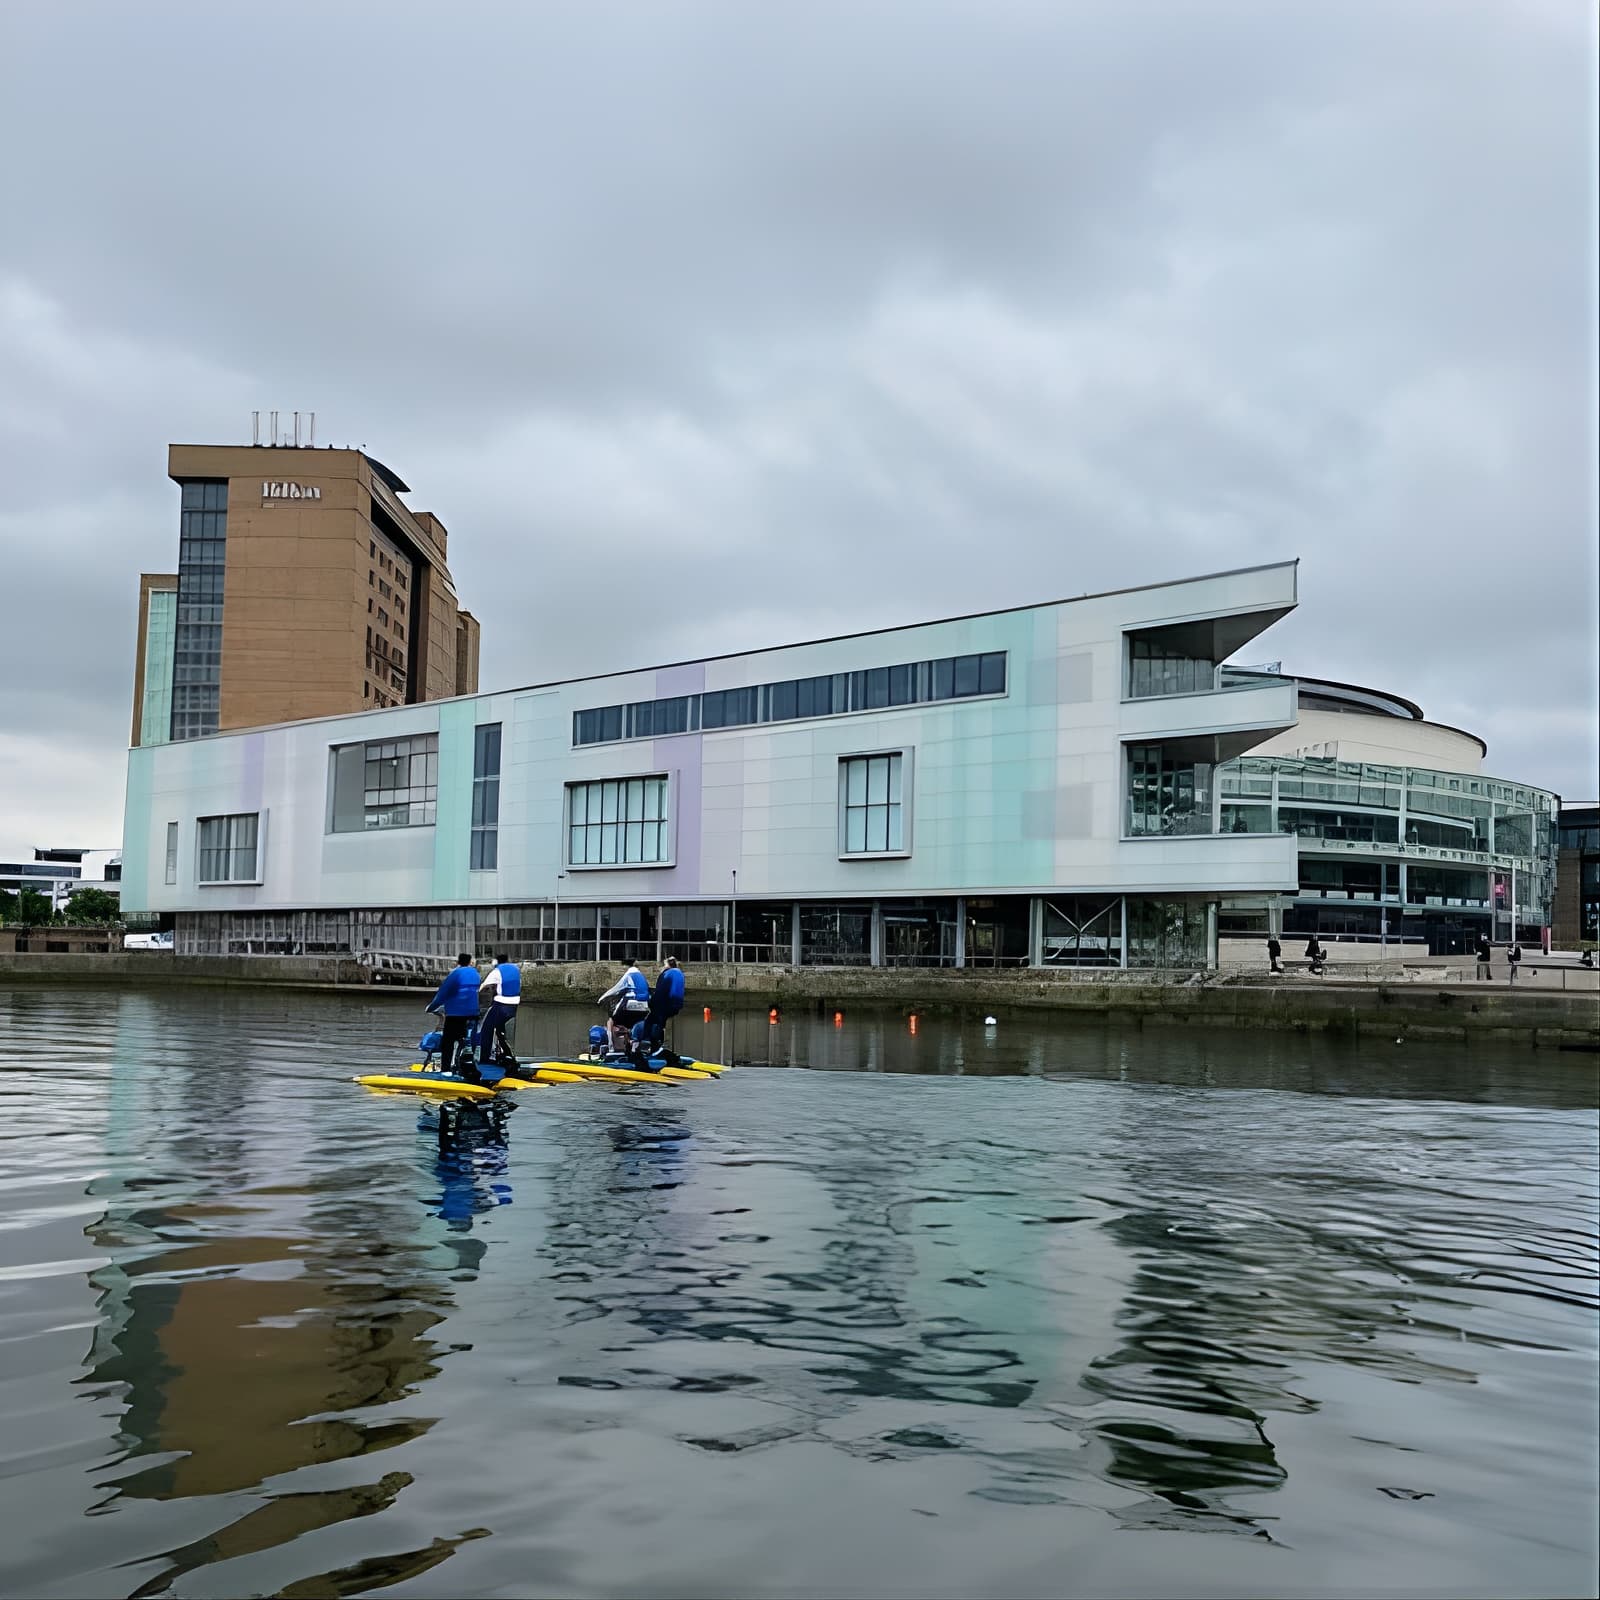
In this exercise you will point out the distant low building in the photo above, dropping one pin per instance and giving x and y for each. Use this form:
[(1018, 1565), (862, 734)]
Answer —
[(60, 872)]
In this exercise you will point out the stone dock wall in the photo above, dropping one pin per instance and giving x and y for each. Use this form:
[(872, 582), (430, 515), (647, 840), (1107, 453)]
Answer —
[(1380, 1007)]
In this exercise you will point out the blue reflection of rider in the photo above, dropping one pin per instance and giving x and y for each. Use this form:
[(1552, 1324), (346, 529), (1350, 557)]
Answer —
[(475, 1156)]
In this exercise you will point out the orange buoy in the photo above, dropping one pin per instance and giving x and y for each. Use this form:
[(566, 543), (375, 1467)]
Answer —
[(708, 1013), (772, 1016), (838, 1019)]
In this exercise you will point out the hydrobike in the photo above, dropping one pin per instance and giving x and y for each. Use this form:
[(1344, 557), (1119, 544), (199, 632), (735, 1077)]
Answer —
[(597, 1066)]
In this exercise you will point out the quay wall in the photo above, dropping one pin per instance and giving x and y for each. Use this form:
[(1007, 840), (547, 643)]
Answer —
[(1382, 1007)]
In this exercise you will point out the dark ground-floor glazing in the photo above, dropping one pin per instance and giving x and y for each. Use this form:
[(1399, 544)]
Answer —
[(1067, 930)]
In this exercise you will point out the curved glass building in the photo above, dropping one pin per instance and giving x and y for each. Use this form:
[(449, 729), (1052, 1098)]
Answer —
[(1401, 834)]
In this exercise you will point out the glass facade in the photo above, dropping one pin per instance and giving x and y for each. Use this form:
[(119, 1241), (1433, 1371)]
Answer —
[(172, 853), (227, 848), (837, 694), (160, 642), (871, 809), (1156, 667), (1424, 849), (1167, 793), (1090, 932), (1168, 933), (617, 822), (197, 632), (486, 797)]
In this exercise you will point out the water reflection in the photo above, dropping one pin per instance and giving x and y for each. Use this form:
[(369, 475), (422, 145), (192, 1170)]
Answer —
[(952, 1328)]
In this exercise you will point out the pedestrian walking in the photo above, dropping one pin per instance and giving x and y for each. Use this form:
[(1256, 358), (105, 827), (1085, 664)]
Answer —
[(1485, 950), (1274, 953), (1514, 957)]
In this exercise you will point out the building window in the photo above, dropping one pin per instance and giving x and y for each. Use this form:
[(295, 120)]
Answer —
[(1159, 666), (871, 806), (227, 848), (618, 822), (837, 694), (197, 635), (392, 784), (486, 798), (172, 852), (1167, 794)]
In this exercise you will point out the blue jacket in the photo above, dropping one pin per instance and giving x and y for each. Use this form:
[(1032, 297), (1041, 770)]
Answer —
[(458, 994), (668, 997)]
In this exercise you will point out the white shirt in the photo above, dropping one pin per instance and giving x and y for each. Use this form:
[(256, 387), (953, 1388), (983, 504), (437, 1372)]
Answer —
[(625, 982), (492, 985)]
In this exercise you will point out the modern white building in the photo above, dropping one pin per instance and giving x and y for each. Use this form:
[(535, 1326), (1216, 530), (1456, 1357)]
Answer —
[(59, 872), (1030, 786)]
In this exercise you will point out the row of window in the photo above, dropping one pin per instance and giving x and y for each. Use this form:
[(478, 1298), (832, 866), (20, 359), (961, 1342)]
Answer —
[(611, 822), (831, 695), (197, 637)]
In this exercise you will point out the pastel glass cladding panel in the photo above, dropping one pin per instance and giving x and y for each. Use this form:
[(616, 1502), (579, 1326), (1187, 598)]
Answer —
[(617, 822), (227, 848), (874, 819)]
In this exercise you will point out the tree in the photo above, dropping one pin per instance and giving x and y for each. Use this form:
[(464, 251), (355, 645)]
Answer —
[(92, 905), (32, 909)]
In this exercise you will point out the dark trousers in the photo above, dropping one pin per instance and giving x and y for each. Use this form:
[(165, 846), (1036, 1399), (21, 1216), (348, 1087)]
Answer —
[(492, 1031), (656, 1027), (457, 1031)]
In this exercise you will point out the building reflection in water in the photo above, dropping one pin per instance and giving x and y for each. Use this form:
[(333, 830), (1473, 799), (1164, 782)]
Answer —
[(261, 1312)]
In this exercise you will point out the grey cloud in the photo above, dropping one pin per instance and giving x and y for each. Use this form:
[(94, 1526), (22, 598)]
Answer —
[(853, 315)]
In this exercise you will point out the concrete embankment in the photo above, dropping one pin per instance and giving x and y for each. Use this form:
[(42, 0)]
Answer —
[(1380, 1009)]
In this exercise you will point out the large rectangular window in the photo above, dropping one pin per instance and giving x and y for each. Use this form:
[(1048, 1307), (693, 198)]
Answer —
[(1158, 666), (617, 822), (390, 783), (486, 797), (172, 852), (227, 848), (197, 635), (871, 805), (1167, 794)]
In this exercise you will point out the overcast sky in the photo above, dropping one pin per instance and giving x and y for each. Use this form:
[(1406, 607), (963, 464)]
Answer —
[(809, 318)]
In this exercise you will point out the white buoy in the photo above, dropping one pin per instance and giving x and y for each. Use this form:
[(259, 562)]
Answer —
[(988, 1022)]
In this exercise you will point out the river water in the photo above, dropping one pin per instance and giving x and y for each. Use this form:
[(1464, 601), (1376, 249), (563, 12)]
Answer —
[(1033, 1310)]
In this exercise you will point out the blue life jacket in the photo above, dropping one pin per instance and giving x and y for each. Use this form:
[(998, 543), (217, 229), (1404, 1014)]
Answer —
[(668, 1000), (457, 996), (639, 984), (510, 980)]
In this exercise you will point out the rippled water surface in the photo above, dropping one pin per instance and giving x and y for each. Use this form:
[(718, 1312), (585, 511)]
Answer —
[(1032, 1311)]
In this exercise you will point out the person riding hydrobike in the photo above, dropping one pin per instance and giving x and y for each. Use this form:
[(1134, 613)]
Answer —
[(665, 1004), (503, 991), (629, 1002), (456, 999)]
